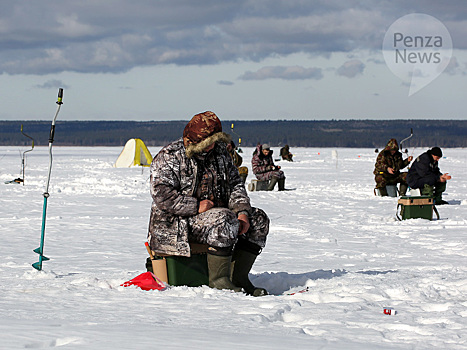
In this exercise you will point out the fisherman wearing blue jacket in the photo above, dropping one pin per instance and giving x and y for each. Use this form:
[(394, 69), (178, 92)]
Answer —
[(425, 175)]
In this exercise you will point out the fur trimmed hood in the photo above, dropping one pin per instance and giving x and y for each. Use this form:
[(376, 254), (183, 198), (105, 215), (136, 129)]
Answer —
[(201, 131), (196, 148)]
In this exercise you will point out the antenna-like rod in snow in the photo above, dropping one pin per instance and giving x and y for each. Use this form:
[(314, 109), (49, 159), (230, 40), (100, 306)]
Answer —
[(24, 153), (40, 250), (239, 138), (411, 134)]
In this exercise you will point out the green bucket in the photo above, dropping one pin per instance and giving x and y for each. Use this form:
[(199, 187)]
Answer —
[(188, 271)]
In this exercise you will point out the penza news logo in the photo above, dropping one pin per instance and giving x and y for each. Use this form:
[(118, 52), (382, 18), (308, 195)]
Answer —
[(409, 42), (417, 48)]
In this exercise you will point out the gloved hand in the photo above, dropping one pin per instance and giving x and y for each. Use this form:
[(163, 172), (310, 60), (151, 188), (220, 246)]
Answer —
[(244, 224), (205, 205)]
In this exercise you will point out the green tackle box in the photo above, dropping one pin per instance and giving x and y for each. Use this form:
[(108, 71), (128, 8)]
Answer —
[(416, 207), (184, 271), (181, 270)]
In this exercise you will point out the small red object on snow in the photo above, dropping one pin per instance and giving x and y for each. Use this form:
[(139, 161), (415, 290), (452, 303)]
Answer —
[(146, 281)]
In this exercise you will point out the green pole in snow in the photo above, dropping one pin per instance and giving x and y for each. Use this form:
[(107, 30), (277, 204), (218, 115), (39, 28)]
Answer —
[(40, 250)]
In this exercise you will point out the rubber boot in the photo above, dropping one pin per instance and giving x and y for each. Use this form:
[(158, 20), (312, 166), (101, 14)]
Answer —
[(403, 189), (219, 271), (244, 257), (281, 183), (440, 187), (243, 177), (383, 192), (149, 265), (272, 183)]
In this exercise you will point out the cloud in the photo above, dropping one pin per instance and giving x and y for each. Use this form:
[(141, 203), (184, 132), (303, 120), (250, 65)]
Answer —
[(282, 72), (454, 67), (351, 69), (225, 82), (52, 83), (115, 36), (376, 60)]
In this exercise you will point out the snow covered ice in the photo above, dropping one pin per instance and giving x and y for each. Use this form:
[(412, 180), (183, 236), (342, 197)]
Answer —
[(331, 234)]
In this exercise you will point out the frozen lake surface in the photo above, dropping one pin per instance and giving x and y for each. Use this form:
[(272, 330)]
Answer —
[(330, 234)]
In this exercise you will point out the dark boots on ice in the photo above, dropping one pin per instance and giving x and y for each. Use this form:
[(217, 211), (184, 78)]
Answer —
[(243, 258), (281, 183), (275, 180), (383, 192), (272, 183), (219, 261), (243, 177), (403, 189)]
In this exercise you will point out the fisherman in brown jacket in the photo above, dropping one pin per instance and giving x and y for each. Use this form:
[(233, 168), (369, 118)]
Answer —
[(198, 196), (285, 153), (387, 168)]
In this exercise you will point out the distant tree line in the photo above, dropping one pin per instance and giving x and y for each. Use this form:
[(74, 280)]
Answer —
[(295, 133)]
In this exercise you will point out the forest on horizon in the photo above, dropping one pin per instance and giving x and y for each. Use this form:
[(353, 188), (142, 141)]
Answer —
[(295, 133)]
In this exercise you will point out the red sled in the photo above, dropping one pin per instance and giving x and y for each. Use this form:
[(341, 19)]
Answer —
[(146, 281)]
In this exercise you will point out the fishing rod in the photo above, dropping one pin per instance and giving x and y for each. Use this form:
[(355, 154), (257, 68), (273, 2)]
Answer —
[(239, 138), (24, 153), (411, 134), (40, 250)]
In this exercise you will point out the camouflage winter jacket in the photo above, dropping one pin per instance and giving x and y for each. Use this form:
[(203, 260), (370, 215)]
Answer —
[(387, 160), (261, 164), (175, 180)]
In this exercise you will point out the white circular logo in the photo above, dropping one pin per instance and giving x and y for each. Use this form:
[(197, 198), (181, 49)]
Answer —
[(417, 48)]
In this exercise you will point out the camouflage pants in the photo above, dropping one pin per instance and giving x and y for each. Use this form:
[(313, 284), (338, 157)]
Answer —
[(435, 191), (218, 227), (387, 179), (270, 174)]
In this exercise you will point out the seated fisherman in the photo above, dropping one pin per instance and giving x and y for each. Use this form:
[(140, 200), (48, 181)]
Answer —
[(425, 175), (285, 153), (198, 196), (388, 165), (237, 160), (264, 168)]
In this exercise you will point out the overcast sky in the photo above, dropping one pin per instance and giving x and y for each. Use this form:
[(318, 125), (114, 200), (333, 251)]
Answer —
[(242, 59)]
